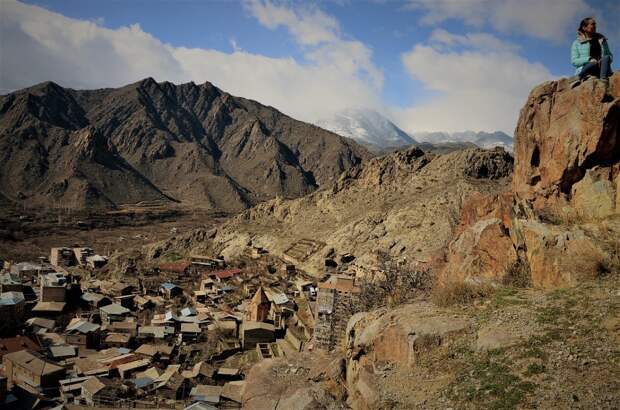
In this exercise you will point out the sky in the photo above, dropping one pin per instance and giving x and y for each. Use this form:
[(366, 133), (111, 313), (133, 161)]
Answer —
[(428, 65)]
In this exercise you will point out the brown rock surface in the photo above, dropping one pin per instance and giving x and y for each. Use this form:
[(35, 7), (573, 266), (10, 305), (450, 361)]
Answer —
[(562, 133), (305, 382), (567, 168), (388, 339)]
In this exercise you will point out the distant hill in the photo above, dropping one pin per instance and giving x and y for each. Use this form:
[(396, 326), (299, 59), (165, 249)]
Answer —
[(480, 139), (159, 142)]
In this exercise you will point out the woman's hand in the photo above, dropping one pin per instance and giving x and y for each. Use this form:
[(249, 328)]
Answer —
[(594, 60)]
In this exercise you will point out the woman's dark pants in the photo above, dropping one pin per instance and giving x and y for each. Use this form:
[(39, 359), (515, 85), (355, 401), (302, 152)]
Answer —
[(603, 71)]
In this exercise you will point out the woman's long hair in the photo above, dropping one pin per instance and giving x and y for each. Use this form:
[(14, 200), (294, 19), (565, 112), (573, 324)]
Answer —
[(583, 24)]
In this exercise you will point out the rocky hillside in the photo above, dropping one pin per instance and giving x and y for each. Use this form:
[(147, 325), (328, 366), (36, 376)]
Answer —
[(159, 142), (557, 228), (404, 204)]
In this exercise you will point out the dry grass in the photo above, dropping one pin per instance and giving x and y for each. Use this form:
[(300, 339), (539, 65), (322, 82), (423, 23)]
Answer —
[(518, 274), (395, 284), (459, 293)]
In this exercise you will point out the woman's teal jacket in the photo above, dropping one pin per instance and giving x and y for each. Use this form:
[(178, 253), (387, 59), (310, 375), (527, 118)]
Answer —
[(580, 51)]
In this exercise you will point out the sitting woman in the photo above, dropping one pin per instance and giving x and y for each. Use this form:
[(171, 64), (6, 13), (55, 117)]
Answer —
[(590, 53)]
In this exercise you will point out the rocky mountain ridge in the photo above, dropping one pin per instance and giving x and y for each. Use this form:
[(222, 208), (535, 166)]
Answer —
[(159, 143), (404, 204)]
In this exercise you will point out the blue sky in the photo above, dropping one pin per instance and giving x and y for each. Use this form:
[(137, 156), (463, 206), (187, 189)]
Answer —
[(429, 65)]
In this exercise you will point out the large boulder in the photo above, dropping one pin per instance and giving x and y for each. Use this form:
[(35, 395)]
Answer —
[(304, 382)]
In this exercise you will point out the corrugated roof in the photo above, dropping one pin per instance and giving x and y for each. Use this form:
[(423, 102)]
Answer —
[(136, 364), (49, 307), (82, 326), (33, 363), (63, 351), (225, 274), (11, 298), (209, 394), (169, 285)]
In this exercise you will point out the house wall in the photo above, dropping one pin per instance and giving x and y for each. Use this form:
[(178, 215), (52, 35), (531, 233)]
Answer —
[(53, 293)]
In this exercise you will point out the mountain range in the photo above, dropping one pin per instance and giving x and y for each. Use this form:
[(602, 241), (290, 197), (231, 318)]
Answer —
[(151, 142), (378, 133)]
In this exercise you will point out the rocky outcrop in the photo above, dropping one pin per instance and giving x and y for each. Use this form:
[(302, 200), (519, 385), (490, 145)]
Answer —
[(385, 339), (564, 134), (560, 221)]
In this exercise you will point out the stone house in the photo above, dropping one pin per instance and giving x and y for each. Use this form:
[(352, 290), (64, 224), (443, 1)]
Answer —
[(256, 332), (62, 257), (83, 334), (113, 313), (95, 391)]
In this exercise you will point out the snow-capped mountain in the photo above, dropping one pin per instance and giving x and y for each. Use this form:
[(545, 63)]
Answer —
[(481, 139), (367, 127)]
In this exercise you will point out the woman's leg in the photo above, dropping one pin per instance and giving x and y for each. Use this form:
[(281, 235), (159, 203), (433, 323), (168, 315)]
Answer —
[(605, 67), (589, 69)]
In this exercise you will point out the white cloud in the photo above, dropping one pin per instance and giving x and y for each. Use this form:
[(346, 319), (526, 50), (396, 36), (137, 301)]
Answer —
[(310, 26), (548, 19), (320, 36), (441, 38), (38, 45), (477, 88)]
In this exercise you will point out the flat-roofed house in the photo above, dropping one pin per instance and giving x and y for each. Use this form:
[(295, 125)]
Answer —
[(53, 287), (169, 290), (62, 257), (334, 301), (95, 300)]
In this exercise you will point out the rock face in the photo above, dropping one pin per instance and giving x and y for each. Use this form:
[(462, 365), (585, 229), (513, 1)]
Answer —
[(561, 219), (159, 142)]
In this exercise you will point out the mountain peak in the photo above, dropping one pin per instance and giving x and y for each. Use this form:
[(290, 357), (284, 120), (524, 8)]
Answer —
[(368, 127)]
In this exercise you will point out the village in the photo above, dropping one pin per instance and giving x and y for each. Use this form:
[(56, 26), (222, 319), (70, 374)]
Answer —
[(181, 334)]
